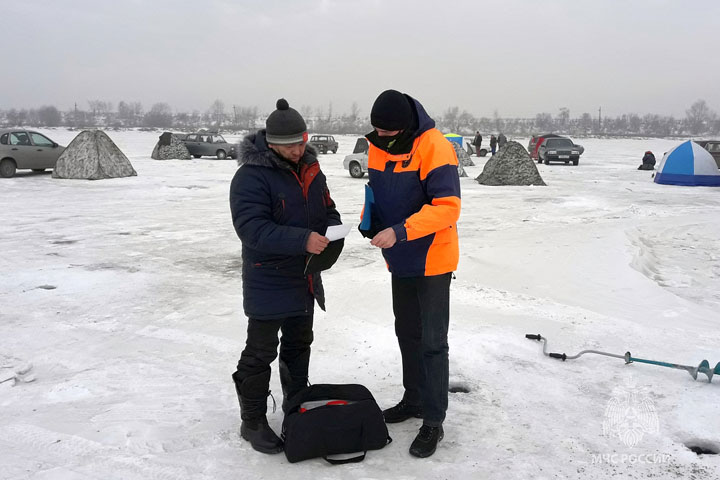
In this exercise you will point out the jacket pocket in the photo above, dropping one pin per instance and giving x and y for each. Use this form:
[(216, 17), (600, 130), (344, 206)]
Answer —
[(279, 208)]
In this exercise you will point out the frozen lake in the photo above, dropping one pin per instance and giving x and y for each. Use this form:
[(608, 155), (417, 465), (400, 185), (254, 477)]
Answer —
[(122, 299)]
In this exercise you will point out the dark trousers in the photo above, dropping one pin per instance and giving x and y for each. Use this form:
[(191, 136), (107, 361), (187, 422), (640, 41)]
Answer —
[(422, 314), (252, 377)]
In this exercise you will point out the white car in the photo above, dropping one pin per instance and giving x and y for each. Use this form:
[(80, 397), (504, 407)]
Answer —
[(356, 164)]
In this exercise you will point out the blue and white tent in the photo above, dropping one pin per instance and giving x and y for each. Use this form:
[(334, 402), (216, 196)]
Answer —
[(688, 164)]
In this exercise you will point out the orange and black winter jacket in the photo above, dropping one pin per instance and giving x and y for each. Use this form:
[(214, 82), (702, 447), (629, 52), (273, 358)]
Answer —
[(418, 195)]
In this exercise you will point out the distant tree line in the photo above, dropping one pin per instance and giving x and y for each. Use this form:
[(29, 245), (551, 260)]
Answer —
[(699, 119)]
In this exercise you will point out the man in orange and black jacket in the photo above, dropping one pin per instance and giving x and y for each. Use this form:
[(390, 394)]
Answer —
[(416, 203)]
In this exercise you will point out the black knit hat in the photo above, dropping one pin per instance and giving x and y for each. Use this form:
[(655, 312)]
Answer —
[(391, 111), (285, 125)]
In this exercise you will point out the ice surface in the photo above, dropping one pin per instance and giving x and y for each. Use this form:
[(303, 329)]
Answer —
[(133, 348)]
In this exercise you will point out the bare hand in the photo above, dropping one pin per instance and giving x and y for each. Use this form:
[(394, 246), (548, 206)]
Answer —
[(384, 239), (316, 243)]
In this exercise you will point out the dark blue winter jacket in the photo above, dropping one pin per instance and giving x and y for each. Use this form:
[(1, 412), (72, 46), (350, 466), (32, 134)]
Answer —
[(274, 210)]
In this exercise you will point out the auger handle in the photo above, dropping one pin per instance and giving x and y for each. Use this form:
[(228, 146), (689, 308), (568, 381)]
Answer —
[(560, 356), (533, 337)]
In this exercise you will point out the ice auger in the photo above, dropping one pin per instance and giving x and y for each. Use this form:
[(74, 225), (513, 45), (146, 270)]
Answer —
[(704, 366)]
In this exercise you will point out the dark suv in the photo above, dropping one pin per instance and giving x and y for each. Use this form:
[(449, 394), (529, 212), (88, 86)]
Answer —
[(559, 149), (209, 144), (324, 143), (536, 141), (713, 147)]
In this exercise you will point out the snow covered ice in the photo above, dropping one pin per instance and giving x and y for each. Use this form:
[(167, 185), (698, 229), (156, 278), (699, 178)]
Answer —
[(121, 299)]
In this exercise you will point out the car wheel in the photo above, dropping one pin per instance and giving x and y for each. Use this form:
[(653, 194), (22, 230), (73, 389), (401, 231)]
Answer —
[(197, 156), (547, 161), (575, 162), (7, 168), (335, 150), (38, 170), (221, 155), (323, 149), (483, 152), (356, 170)]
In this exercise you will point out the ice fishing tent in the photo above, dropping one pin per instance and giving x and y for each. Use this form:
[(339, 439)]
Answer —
[(454, 137), (170, 146), (512, 165), (462, 156), (688, 164), (92, 155)]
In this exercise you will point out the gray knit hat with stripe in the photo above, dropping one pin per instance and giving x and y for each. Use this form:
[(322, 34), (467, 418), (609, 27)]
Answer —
[(285, 125)]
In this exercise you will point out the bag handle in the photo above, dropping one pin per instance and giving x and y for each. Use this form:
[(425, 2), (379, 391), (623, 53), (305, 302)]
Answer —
[(356, 459)]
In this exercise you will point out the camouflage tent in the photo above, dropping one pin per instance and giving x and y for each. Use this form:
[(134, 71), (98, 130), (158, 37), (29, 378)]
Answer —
[(92, 155), (462, 159), (169, 146), (510, 166)]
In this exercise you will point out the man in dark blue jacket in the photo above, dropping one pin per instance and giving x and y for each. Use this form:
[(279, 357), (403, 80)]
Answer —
[(281, 208)]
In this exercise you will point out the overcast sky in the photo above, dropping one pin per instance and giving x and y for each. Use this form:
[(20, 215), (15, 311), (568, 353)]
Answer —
[(516, 57)]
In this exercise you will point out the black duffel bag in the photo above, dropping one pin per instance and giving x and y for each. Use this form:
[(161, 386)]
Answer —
[(327, 420)]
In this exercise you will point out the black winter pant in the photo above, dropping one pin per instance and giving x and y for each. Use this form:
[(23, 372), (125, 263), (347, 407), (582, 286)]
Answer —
[(422, 314), (252, 377)]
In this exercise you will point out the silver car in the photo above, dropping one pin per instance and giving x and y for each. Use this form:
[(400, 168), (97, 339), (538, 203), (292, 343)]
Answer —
[(25, 149), (209, 144)]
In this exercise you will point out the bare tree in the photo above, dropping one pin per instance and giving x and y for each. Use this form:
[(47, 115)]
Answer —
[(544, 122), (465, 122), (49, 116), (217, 110), (160, 115), (450, 118), (586, 122), (499, 124), (699, 117), (563, 118)]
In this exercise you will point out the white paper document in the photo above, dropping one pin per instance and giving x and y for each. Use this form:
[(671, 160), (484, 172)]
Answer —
[(336, 232)]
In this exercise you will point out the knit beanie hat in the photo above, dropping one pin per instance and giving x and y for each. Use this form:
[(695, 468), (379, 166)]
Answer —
[(391, 111), (285, 125)]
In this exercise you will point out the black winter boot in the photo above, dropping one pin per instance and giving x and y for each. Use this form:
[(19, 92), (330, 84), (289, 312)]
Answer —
[(290, 384), (260, 435), (401, 412), (254, 427), (426, 441)]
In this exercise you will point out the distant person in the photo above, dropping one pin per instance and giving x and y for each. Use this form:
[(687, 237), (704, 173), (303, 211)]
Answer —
[(281, 208), (648, 161), (477, 142), (493, 144), (502, 140)]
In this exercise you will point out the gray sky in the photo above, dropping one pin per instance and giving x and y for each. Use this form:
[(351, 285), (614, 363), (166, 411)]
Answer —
[(516, 57)]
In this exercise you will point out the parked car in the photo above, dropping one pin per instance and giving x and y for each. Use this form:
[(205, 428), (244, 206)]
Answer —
[(209, 144), (536, 141), (324, 143), (712, 146), (356, 164), (25, 149), (559, 149)]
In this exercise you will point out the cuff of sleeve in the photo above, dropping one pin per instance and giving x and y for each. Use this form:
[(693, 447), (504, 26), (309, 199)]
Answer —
[(303, 247), (400, 232)]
